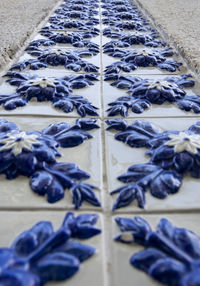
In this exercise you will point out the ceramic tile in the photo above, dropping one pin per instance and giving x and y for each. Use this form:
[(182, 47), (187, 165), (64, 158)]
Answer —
[(120, 156), (95, 39), (16, 194), (121, 272), (91, 270), (107, 61), (46, 108), (112, 93)]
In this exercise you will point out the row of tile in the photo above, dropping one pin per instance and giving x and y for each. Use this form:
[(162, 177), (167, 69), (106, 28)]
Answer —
[(110, 264), (103, 168)]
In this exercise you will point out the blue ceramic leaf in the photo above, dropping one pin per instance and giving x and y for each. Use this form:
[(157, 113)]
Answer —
[(171, 254), (41, 255)]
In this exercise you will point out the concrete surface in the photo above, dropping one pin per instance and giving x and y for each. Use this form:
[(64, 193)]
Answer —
[(180, 20), (18, 19)]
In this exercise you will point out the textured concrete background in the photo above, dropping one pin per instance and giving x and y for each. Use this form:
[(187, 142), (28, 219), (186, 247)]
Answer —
[(180, 20), (18, 19)]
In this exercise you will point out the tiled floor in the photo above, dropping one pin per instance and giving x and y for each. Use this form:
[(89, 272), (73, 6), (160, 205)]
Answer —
[(102, 157)]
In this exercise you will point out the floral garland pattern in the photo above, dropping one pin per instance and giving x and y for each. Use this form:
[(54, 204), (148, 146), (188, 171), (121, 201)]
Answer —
[(41, 255), (33, 154), (173, 154), (171, 255)]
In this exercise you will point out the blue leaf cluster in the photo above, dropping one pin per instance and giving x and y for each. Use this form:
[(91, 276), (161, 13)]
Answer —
[(171, 255), (144, 92), (164, 172), (48, 177), (56, 90), (70, 59), (130, 60), (41, 255)]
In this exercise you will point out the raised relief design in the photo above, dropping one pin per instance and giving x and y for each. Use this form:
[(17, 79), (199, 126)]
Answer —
[(142, 93), (132, 59), (41, 255), (70, 59), (57, 90), (171, 255), (172, 154), (127, 40), (33, 154)]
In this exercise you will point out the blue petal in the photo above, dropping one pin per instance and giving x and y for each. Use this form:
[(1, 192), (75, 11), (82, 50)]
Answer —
[(31, 239), (143, 260), (81, 251), (165, 183), (56, 267), (18, 277), (168, 271)]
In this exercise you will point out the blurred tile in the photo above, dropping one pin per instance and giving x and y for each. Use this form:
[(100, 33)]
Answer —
[(120, 156), (16, 194)]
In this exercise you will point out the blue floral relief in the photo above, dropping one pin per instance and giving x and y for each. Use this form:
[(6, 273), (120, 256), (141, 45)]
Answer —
[(70, 59), (119, 25), (59, 24), (58, 19), (132, 59), (172, 154), (33, 154), (76, 39), (171, 255), (127, 40), (41, 255), (56, 90), (142, 93)]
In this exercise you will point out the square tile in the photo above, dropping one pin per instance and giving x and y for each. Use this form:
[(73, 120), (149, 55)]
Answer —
[(112, 93), (120, 156), (17, 194), (91, 270), (122, 272)]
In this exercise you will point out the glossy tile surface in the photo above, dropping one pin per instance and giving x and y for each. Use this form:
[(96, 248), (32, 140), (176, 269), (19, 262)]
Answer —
[(102, 156)]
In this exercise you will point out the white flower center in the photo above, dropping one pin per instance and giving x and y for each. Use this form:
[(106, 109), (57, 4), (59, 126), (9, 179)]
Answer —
[(43, 82), (146, 52), (184, 142), (159, 84), (56, 51), (19, 141)]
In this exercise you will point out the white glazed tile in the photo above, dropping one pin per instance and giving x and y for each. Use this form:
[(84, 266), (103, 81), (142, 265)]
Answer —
[(92, 93), (120, 156), (94, 39), (90, 272), (108, 60), (122, 272), (112, 93), (17, 194)]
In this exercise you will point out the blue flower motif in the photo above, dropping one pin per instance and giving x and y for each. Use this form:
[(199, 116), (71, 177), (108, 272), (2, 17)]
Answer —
[(56, 90), (171, 255), (33, 154), (144, 92), (57, 57), (58, 19), (76, 39), (172, 155), (132, 59), (127, 40), (41, 255), (59, 24)]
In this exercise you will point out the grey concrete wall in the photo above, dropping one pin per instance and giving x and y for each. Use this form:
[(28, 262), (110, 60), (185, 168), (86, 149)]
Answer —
[(180, 20), (18, 19)]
